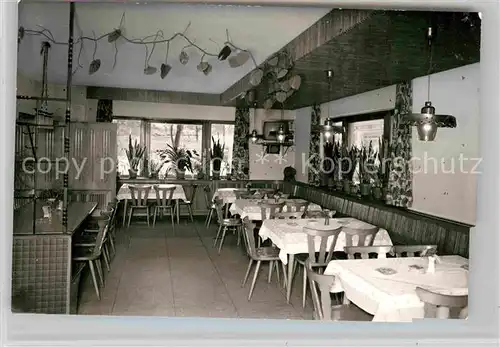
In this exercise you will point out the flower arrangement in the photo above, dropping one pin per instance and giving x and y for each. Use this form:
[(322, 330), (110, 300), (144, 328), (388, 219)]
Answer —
[(179, 158)]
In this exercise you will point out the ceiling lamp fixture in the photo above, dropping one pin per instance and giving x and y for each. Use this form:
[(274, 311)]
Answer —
[(250, 98), (328, 129), (427, 121)]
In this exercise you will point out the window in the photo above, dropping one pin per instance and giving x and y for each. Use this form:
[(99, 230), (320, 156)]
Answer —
[(126, 128), (361, 133), (224, 133), (177, 135)]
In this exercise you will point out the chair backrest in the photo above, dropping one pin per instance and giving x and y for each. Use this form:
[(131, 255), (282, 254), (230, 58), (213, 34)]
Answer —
[(415, 250), (289, 215), (101, 236), (266, 191), (139, 194), (364, 252), (322, 256), (219, 204), (268, 210), (296, 206), (208, 196), (437, 305), (164, 195), (241, 192), (190, 191), (365, 236), (249, 237), (323, 307)]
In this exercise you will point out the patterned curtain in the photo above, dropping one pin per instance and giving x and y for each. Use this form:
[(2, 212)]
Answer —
[(104, 111), (399, 189), (314, 148), (241, 161)]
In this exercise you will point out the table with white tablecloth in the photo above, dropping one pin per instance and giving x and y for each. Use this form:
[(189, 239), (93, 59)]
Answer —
[(227, 195), (392, 298), (289, 237), (124, 194), (251, 207)]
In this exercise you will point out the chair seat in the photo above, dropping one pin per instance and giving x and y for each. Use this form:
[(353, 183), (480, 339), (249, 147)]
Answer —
[(231, 222), (83, 253), (267, 253), (351, 313), (185, 202)]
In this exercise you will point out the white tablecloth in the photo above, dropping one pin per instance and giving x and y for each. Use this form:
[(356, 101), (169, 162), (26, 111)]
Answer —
[(227, 195), (250, 207), (392, 298), (124, 192), (289, 237)]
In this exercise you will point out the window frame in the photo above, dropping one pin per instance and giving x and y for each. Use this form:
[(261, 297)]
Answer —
[(145, 134)]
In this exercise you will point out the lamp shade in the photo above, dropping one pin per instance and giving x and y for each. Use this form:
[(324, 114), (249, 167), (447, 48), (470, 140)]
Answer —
[(427, 131)]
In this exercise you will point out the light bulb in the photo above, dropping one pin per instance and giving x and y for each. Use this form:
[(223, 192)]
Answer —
[(328, 134)]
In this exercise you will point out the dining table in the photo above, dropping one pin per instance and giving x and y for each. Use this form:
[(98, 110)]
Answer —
[(289, 237), (251, 207), (125, 195), (385, 287)]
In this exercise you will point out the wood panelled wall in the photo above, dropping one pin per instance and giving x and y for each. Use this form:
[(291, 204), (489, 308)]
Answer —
[(92, 175)]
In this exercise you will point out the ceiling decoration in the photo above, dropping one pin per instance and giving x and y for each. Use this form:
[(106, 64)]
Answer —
[(237, 56), (250, 28)]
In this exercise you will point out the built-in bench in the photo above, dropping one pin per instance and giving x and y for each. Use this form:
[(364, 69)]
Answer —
[(405, 226)]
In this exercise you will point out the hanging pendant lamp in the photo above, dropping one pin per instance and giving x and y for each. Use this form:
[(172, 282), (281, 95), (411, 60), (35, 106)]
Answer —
[(328, 129), (427, 121)]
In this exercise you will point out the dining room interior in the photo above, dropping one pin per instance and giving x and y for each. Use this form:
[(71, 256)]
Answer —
[(241, 161)]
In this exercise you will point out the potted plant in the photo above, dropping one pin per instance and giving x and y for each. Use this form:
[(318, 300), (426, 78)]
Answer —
[(348, 167), (179, 158), (216, 156), (135, 153), (336, 155), (383, 169), (52, 199), (366, 169), (154, 168)]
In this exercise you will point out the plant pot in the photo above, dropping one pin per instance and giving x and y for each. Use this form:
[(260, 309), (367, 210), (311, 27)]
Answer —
[(153, 175), (132, 174), (200, 175), (346, 186), (377, 193), (47, 211), (180, 175), (216, 175), (365, 189)]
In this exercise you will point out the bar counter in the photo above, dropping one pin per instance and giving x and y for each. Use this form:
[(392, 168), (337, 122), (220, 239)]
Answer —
[(43, 275)]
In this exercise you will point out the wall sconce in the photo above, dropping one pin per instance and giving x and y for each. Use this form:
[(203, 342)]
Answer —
[(281, 134)]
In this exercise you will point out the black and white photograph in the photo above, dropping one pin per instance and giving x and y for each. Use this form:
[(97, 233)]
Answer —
[(245, 161)]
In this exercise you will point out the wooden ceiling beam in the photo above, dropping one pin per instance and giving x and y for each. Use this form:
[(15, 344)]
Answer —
[(335, 23)]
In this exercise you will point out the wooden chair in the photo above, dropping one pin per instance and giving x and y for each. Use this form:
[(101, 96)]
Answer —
[(225, 224), (164, 202), (91, 255), (209, 204), (442, 306), (296, 206), (268, 210), (190, 195), (415, 250), (364, 252), (323, 309), (139, 201), (257, 254), (316, 259)]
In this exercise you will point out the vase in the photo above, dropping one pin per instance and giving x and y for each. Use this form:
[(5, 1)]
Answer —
[(180, 175), (365, 189), (377, 193), (46, 211), (346, 186), (132, 174)]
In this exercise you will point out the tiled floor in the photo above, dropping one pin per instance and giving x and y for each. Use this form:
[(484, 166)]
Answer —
[(159, 273)]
